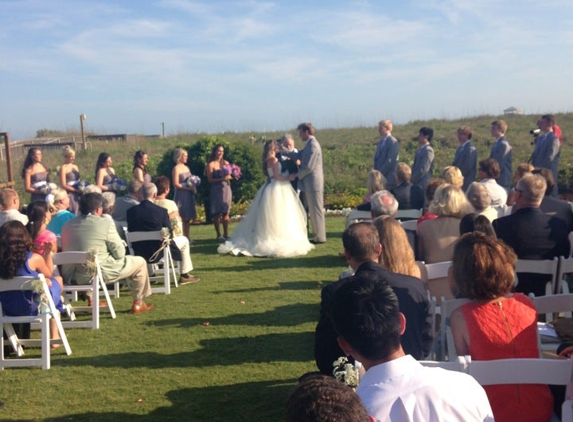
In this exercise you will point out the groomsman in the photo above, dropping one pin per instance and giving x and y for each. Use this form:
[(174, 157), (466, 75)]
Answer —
[(546, 153), (311, 181), (501, 152), (423, 166), (386, 156), (466, 156)]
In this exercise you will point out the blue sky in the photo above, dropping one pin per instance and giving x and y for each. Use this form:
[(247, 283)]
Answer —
[(211, 66)]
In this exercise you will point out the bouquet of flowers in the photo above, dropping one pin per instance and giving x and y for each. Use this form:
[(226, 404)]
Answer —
[(45, 187), (345, 372), (233, 169), (176, 226), (193, 181), (118, 185), (80, 185)]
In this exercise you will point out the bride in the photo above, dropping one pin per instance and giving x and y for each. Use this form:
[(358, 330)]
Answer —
[(275, 224)]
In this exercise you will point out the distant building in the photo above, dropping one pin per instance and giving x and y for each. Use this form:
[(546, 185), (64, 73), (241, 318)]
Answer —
[(512, 111)]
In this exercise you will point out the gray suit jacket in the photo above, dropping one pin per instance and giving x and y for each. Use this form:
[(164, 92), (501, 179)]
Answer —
[(423, 167), (466, 160), (122, 204), (501, 152), (91, 232), (546, 153), (386, 158), (310, 177)]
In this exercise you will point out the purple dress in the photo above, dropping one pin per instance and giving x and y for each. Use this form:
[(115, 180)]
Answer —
[(18, 303), (109, 177), (35, 178), (185, 200), (73, 176), (221, 194)]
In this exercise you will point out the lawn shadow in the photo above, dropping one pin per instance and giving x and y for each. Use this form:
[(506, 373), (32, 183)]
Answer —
[(251, 263), (257, 401), (287, 285), (289, 347), (282, 316)]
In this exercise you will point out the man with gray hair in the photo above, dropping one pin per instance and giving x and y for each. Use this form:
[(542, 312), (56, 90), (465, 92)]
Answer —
[(383, 203), (123, 203), (531, 233), (148, 217)]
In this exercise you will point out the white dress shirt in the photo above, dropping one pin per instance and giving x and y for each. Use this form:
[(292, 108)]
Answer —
[(10, 215), (497, 193), (403, 390)]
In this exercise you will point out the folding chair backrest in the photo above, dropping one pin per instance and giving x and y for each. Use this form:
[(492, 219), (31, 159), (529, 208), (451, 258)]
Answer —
[(460, 364), (356, 216), (540, 266), (409, 224), (411, 213), (436, 278), (446, 337), (522, 371), (565, 267)]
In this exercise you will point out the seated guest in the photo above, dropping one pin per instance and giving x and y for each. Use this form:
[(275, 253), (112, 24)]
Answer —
[(147, 217), (10, 203), (436, 238), (19, 258), (397, 255), (488, 172), (552, 205), (409, 196), (496, 324), (90, 231), (383, 203), (453, 176), (531, 233), (162, 184), (108, 205), (433, 184), (59, 207), (476, 223), (324, 399), (367, 317), (521, 169), (478, 196), (362, 249), (376, 182), (38, 219), (123, 203)]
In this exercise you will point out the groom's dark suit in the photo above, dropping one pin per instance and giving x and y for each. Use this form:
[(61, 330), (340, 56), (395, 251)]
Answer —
[(148, 217), (414, 303)]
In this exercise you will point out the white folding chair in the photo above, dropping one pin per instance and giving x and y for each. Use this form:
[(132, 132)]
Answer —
[(565, 267), (541, 266), (409, 224), (446, 337), (169, 267), (47, 311), (552, 306), (412, 214), (356, 216), (436, 277), (95, 285), (460, 364), (526, 371)]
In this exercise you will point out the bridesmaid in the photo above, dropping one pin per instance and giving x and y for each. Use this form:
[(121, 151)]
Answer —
[(184, 195), (70, 173), (33, 171), (140, 173), (221, 194), (105, 174)]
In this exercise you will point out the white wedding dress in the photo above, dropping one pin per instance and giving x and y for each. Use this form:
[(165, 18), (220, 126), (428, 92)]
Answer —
[(275, 224)]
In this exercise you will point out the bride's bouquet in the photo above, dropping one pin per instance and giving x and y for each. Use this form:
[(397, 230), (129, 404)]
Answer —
[(234, 170), (45, 187), (192, 181)]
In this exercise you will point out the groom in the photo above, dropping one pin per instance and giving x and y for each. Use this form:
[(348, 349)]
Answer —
[(311, 181)]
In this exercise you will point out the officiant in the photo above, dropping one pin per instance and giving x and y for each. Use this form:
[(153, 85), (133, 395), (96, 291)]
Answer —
[(288, 157)]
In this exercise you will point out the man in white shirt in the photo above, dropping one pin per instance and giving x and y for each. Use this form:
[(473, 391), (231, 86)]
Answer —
[(10, 202), (488, 173), (366, 316)]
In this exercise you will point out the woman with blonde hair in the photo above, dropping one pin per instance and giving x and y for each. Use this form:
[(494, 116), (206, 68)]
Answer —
[(436, 238), (375, 183), (185, 191), (69, 176), (60, 201), (397, 254), (453, 176)]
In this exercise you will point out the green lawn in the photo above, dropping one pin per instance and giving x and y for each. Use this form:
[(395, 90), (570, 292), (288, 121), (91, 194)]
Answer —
[(169, 365)]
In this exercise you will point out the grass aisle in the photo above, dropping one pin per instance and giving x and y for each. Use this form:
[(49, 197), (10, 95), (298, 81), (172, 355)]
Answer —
[(169, 365)]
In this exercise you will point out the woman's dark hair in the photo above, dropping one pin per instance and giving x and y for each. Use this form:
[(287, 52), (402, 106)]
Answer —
[(101, 159), (29, 160), (36, 212), (214, 152), (15, 243), (162, 183), (476, 223), (138, 161)]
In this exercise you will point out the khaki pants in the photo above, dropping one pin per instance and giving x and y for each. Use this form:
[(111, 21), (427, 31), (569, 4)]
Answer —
[(136, 271), (183, 244)]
